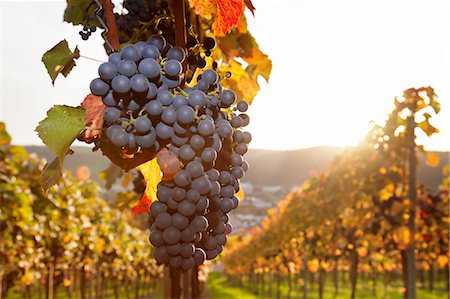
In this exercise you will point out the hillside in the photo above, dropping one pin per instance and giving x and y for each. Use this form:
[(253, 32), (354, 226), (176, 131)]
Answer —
[(267, 167)]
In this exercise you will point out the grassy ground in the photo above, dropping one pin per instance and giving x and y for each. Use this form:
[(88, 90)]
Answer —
[(219, 287)]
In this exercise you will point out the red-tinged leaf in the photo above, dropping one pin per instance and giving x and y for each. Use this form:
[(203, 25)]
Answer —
[(204, 8), (250, 6), (94, 115), (227, 16), (152, 176), (143, 206)]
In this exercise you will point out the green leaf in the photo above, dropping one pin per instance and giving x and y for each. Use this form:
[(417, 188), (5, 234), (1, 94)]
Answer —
[(51, 174), (60, 60), (60, 128), (77, 11)]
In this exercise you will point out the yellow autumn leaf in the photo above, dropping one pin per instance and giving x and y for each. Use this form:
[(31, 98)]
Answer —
[(240, 194), (152, 176), (261, 61), (442, 261), (387, 192)]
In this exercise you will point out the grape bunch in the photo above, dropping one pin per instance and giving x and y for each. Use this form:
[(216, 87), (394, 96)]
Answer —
[(198, 134), (87, 31)]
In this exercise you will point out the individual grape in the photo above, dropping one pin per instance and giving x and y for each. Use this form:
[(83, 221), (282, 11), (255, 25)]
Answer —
[(169, 115), (131, 52), (225, 178), (209, 43), (213, 174), (160, 254), (141, 45), (236, 159), (186, 208), (133, 106), (193, 196), (143, 124), (163, 221), (168, 163), (227, 191), (206, 127), (227, 98), (178, 194), (186, 152), (228, 228), (121, 84), (163, 192), (200, 223), (182, 178), (187, 250), (172, 67), (172, 204), (99, 87), (147, 140), (171, 235), (112, 129), (132, 145), (202, 184), (179, 221), (202, 85), (188, 234), (241, 148), (164, 131), (178, 141), (239, 136), (154, 108), (176, 53), (210, 243), (197, 142), (188, 263), (171, 82), (157, 208), (107, 71), (156, 238), (151, 51), (120, 138), (199, 256), (174, 250), (245, 166), (158, 41), (165, 97), (195, 169), (225, 130), (247, 137), (178, 101), (226, 205), (237, 172), (245, 119), (185, 115), (235, 202), (109, 99), (242, 106), (150, 68), (127, 68), (217, 144), (210, 76), (219, 229), (197, 98), (114, 58), (209, 154), (202, 204), (139, 83), (112, 114), (201, 62), (152, 91), (236, 121)]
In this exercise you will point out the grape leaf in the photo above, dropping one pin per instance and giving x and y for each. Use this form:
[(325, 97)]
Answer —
[(427, 128), (226, 13), (152, 176), (60, 128), (93, 116), (51, 173), (77, 10), (262, 63), (60, 60), (58, 131)]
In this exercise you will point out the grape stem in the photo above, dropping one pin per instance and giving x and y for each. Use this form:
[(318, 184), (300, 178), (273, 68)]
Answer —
[(182, 91)]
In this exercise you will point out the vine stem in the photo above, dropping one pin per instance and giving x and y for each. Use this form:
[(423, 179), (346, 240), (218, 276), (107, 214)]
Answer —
[(180, 23), (113, 35)]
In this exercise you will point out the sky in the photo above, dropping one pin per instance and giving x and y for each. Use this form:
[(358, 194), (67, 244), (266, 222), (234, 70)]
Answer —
[(337, 66)]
